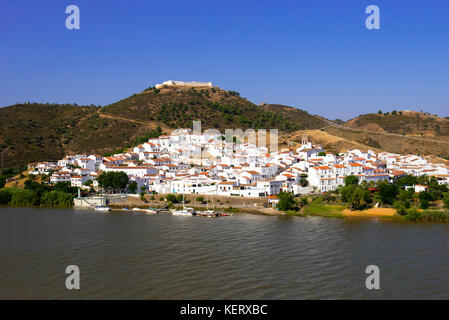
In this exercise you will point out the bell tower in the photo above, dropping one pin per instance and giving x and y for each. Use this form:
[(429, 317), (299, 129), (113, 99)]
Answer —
[(305, 141)]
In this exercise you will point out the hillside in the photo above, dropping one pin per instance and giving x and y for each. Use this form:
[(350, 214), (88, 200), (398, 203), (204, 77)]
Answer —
[(404, 123), (338, 138), (37, 132), (303, 119), (176, 107)]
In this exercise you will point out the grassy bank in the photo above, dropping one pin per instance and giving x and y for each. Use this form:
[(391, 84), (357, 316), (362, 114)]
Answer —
[(318, 208)]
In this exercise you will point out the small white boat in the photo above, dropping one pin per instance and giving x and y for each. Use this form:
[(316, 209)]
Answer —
[(149, 211), (136, 209), (102, 208), (182, 213)]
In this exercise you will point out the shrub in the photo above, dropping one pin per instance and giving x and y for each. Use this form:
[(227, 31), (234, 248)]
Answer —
[(5, 196), (413, 215), (56, 199), (425, 204), (351, 181), (132, 187), (286, 201), (446, 200), (400, 208), (304, 201)]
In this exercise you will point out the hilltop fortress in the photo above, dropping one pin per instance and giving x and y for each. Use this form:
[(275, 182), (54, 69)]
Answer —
[(173, 83)]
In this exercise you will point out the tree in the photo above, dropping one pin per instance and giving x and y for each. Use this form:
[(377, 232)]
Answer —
[(5, 196), (179, 198), (303, 182), (132, 187), (286, 201), (171, 198), (88, 183), (113, 180), (359, 199), (346, 192), (446, 200), (2, 181), (425, 204), (424, 195), (351, 181), (57, 199), (322, 154), (405, 195), (387, 192), (379, 112)]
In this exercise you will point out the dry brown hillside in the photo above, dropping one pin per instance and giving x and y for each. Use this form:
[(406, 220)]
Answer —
[(340, 139), (37, 132), (405, 123)]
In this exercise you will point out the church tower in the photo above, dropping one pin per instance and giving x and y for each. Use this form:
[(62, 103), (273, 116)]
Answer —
[(305, 141)]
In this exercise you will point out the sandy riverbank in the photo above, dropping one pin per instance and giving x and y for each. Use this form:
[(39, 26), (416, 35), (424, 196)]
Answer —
[(373, 212)]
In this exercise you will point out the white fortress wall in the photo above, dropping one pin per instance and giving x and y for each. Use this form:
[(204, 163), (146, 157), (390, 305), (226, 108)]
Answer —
[(185, 84)]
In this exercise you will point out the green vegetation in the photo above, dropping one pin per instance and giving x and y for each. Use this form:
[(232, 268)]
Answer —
[(286, 201), (318, 208), (172, 198), (446, 200), (132, 187), (39, 194), (400, 194), (113, 181)]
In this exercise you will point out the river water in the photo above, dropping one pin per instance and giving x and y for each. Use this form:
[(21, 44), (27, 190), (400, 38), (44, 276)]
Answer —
[(132, 256)]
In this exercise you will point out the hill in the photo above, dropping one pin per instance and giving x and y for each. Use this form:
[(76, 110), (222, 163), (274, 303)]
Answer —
[(403, 122), (37, 132), (176, 107), (406, 133)]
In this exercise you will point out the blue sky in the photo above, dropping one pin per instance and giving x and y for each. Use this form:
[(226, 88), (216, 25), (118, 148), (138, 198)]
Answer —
[(312, 54)]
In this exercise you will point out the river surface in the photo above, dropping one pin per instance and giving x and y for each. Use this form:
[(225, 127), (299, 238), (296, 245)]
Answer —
[(132, 256)]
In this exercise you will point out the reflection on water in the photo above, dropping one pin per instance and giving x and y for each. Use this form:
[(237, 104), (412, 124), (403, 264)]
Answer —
[(130, 256)]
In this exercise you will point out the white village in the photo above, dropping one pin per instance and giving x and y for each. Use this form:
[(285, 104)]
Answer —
[(197, 163)]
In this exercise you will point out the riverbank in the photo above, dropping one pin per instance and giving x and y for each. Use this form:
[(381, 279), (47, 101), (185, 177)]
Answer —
[(372, 212), (196, 207), (318, 208)]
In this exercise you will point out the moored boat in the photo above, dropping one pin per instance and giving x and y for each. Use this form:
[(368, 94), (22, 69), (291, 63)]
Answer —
[(102, 208), (181, 213), (208, 213), (185, 211)]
